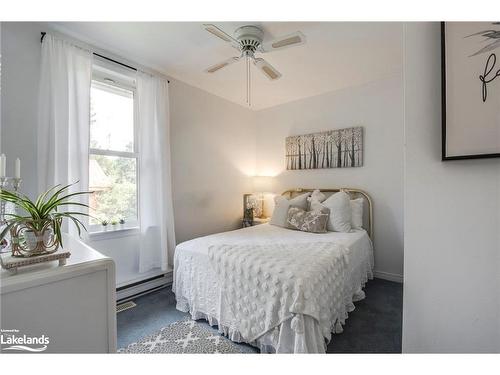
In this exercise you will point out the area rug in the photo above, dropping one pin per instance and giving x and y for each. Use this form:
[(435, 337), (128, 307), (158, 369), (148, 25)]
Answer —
[(184, 336)]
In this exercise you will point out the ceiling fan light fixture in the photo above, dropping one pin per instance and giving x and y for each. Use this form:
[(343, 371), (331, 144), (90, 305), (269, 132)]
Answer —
[(249, 40)]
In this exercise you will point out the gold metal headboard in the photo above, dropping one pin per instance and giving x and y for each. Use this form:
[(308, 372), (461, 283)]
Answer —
[(353, 193)]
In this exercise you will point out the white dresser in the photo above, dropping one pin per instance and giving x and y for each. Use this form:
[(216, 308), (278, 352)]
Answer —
[(73, 305)]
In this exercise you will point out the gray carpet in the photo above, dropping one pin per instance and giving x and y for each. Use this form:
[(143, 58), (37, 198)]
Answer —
[(373, 327)]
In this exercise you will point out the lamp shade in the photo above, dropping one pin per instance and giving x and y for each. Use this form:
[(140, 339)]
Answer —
[(262, 184)]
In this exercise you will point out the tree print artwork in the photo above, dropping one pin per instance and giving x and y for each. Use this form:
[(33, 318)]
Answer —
[(340, 148)]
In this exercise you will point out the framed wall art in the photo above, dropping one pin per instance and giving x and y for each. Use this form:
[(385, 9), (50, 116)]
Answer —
[(341, 148), (470, 63)]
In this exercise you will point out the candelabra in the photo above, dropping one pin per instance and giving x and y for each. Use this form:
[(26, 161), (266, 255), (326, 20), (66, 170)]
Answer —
[(5, 183)]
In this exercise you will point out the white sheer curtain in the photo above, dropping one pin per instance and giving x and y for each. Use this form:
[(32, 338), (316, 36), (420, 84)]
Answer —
[(155, 192), (63, 116)]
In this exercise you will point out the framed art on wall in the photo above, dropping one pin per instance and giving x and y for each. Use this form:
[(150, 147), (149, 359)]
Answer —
[(470, 90), (339, 148)]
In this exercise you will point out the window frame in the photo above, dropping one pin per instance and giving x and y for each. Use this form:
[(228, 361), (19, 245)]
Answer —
[(110, 79)]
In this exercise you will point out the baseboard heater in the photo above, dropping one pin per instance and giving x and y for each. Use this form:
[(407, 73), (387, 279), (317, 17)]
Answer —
[(142, 287)]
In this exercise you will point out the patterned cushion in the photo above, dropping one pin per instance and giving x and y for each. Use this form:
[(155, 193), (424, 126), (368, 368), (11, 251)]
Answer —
[(308, 221)]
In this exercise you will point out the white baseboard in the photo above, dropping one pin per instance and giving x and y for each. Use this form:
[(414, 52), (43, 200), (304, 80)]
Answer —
[(388, 276), (145, 286)]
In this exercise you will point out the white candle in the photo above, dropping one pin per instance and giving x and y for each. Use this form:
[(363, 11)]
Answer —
[(18, 168), (2, 165)]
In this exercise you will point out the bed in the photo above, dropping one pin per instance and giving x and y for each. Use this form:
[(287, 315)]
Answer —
[(333, 267)]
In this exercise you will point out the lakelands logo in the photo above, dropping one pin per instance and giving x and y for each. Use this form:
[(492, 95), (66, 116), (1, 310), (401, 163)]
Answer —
[(12, 340)]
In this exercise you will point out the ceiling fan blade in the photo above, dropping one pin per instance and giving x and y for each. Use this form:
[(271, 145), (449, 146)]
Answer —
[(290, 40), (266, 68), (222, 64), (214, 30)]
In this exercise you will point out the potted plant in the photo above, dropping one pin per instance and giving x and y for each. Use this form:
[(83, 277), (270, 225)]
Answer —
[(36, 228), (104, 224), (122, 222), (114, 223)]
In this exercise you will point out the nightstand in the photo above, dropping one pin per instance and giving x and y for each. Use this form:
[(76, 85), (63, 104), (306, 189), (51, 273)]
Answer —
[(256, 221)]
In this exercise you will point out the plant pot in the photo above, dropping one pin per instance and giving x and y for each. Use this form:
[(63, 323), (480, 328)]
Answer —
[(32, 238)]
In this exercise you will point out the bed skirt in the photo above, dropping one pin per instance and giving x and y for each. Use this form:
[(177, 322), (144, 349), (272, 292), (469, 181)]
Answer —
[(297, 334)]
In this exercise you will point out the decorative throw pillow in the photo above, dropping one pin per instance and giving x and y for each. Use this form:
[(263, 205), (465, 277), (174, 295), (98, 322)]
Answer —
[(357, 213), (282, 205), (308, 221), (340, 212), (315, 205), (317, 196)]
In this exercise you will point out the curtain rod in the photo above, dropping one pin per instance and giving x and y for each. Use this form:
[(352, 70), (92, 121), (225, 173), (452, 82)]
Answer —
[(101, 56)]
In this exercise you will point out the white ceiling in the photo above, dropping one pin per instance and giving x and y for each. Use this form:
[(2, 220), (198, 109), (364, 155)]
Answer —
[(336, 55)]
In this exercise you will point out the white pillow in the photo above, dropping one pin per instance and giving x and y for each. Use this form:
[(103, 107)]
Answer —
[(340, 212), (282, 205), (357, 213), (317, 196), (315, 201)]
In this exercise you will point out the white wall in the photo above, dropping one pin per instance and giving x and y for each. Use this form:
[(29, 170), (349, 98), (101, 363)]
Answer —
[(213, 157), (377, 107), (452, 222), (124, 250), (19, 82), (0, 87)]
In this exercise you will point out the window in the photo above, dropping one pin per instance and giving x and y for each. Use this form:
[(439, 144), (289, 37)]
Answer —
[(113, 161)]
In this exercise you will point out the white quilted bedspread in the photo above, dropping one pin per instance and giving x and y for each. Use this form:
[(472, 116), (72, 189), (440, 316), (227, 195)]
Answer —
[(266, 284)]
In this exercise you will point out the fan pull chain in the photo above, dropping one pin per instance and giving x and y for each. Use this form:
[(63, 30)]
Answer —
[(248, 81), (246, 73)]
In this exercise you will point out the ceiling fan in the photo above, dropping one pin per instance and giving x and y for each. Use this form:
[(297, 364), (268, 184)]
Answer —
[(248, 40)]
